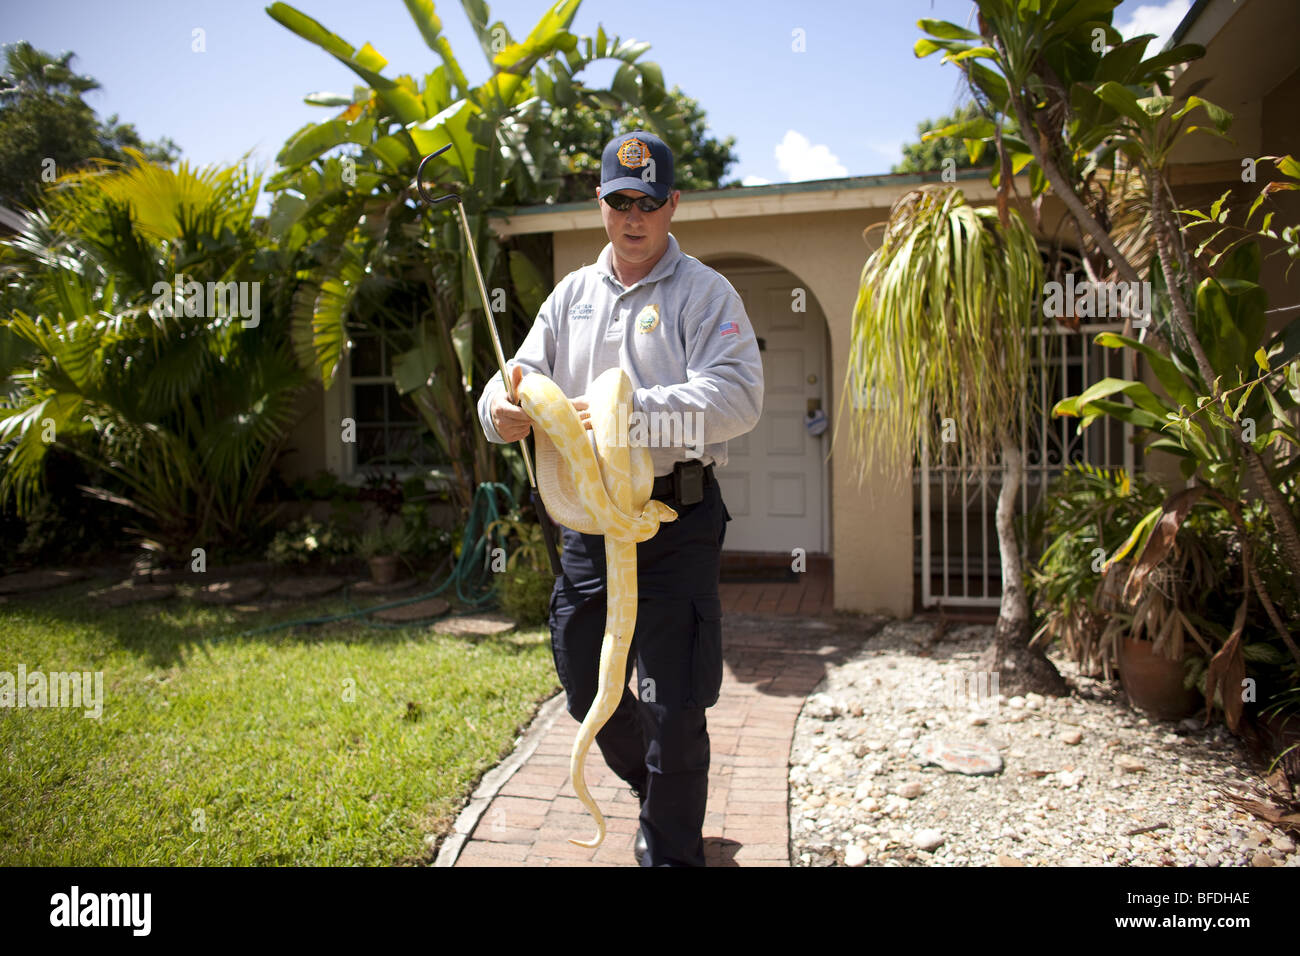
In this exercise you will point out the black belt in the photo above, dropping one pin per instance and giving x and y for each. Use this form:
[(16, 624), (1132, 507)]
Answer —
[(663, 488)]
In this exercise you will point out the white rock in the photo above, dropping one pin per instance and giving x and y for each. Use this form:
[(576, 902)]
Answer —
[(854, 855), (910, 791), (927, 839), (1016, 703), (822, 707), (1072, 737)]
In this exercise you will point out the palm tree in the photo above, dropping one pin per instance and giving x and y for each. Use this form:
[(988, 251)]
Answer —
[(939, 349), (188, 412)]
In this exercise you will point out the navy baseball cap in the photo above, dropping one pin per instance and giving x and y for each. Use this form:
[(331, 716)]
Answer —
[(640, 161)]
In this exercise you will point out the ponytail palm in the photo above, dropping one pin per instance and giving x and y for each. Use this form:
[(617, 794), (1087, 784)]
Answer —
[(940, 350)]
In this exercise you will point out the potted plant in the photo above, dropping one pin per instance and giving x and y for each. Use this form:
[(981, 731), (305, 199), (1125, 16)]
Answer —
[(1084, 517), (1149, 641), (382, 547), (1125, 581)]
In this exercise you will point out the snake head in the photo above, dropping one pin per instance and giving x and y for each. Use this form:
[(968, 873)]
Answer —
[(659, 510)]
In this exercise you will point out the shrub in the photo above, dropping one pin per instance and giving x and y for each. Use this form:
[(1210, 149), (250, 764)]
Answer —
[(307, 540)]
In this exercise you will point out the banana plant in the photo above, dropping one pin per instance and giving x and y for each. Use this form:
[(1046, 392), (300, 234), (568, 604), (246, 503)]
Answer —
[(365, 252)]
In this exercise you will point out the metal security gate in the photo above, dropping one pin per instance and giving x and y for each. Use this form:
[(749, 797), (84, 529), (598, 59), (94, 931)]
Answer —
[(957, 545)]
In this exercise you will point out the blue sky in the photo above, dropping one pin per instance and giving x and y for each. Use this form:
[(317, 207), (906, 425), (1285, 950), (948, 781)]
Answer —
[(842, 107)]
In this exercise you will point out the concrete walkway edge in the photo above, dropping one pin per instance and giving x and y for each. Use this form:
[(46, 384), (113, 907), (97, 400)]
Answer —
[(496, 778)]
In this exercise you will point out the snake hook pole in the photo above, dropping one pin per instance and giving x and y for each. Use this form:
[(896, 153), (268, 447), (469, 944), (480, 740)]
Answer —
[(432, 201)]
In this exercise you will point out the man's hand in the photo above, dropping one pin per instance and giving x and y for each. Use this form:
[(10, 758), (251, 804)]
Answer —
[(512, 422)]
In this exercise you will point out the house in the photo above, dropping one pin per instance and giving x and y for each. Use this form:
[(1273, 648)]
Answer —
[(795, 252)]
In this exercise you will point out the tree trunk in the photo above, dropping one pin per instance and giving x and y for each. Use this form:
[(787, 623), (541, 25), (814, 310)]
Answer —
[(1279, 511), (1067, 194), (1019, 668), (1164, 250)]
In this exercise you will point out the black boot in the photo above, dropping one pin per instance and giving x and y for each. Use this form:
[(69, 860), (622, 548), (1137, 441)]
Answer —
[(639, 847)]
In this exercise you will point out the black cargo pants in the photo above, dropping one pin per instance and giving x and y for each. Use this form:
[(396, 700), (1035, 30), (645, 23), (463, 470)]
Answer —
[(658, 744)]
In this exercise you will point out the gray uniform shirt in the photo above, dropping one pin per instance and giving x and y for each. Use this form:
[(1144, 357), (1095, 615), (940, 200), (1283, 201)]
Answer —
[(683, 338)]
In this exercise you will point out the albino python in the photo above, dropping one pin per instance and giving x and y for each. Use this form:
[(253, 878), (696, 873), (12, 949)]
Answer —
[(606, 491)]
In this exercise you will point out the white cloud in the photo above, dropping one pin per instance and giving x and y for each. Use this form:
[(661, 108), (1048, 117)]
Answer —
[(1158, 19), (755, 181), (799, 159)]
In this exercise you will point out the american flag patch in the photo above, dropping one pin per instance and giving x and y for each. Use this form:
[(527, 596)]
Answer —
[(729, 328)]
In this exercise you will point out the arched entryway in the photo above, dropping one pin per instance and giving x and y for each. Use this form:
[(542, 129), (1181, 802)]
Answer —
[(777, 479)]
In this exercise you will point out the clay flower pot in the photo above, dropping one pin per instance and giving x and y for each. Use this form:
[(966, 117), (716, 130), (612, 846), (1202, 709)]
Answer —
[(383, 568), (1153, 682)]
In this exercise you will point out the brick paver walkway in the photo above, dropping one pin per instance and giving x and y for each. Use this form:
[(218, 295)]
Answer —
[(771, 665)]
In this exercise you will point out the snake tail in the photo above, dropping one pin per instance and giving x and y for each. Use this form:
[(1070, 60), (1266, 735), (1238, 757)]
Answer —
[(620, 625)]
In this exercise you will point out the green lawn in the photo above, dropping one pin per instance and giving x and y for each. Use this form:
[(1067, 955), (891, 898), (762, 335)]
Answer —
[(215, 750)]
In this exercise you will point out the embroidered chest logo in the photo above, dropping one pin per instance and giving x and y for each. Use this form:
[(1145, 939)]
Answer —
[(648, 319), (583, 310)]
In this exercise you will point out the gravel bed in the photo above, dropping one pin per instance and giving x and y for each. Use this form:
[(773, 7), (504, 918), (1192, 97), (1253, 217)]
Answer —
[(1079, 774)]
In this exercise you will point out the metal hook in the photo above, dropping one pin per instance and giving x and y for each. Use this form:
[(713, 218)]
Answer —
[(419, 181)]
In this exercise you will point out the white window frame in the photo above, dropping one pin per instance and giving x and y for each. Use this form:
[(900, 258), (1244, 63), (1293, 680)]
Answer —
[(341, 456)]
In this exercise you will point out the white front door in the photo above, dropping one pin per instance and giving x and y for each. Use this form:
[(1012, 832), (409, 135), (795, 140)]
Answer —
[(774, 481)]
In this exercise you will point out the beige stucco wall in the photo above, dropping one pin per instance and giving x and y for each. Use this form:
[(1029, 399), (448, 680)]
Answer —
[(871, 537)]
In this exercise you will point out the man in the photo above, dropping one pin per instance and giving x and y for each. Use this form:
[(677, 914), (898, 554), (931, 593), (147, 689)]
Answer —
[(680, 331)]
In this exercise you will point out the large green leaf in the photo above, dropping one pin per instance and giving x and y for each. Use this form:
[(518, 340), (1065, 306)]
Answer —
[(451, 125), (318, 138), (945, 30), (531, 287), (1163, 367), (366, 63), (320, 314), (1122, 99), (1139, 392)]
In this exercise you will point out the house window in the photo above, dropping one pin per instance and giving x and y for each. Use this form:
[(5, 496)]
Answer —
[(390, 433)]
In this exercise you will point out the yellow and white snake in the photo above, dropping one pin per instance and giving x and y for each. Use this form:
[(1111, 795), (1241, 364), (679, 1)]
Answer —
[(605, 490)]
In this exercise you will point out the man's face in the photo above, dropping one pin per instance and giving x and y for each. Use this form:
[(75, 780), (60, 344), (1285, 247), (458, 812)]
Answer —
[(638, 237)]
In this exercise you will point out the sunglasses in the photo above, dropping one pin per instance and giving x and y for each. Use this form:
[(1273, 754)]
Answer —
[(621, 203)]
